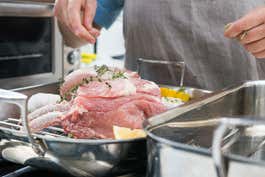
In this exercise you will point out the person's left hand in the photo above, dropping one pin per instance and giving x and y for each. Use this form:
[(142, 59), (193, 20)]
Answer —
[(250, 31)]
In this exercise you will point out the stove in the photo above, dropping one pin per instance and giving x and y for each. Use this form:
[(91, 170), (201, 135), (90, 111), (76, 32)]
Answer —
[(8, 169)]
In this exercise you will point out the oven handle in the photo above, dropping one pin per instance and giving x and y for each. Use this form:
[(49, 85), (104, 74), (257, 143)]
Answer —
[(29, 9), (225, 124), (21, 101)]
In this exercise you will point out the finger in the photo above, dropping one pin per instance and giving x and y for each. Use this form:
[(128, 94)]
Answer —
[(256, 47), (254, 34), (89, 14), (260, 54), (251, 20), (57, 7), (74, 15), (65, 15), (97, 28), (59, 4), (60, 12), (95, 32)]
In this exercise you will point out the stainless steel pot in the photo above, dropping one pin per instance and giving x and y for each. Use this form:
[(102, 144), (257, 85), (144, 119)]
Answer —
[(180, 141), (52, 149)]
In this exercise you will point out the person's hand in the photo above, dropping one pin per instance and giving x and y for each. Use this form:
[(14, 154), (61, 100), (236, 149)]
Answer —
[(78, 16), (250, 31)]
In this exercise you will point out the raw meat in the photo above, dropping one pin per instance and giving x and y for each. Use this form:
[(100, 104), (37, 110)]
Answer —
[(99, 99), (75, 78), (145, 86), (46, 120), (113, 88), (41, 99), (49, 108)]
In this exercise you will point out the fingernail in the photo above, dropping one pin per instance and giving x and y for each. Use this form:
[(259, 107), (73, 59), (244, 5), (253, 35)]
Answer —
[(243, 35), (227, 26)]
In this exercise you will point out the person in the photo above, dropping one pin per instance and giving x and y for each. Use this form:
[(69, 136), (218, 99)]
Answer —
[(178, 30)]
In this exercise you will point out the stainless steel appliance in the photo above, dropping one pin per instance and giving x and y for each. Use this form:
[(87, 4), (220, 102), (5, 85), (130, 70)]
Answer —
[(185, 142), (71, 60), (55, 151), (31, 47)]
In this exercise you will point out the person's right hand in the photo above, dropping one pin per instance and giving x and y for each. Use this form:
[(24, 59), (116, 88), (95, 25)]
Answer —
[(78, 16)]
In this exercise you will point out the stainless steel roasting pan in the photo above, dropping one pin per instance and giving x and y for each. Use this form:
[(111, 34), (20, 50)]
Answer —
[(195, 140), (52, 149)]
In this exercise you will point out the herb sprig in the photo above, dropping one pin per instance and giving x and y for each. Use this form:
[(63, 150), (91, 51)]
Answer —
[(119, 74), (101, 70)]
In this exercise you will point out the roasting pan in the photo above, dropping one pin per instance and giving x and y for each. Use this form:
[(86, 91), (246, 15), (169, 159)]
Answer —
[(222, 135), (52, 149)]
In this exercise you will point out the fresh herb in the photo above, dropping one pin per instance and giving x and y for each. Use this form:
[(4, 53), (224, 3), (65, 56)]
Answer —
[(85, 81), (70, 135), (102, 70), (108, 84), (61, 99), (91, 78), (73, 91), (182, 89), (119, 74)]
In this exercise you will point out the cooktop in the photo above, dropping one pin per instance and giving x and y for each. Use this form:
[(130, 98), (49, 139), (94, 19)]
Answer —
[(8, 169)]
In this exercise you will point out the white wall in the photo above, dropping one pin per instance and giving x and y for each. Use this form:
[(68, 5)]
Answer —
[(111, 41)]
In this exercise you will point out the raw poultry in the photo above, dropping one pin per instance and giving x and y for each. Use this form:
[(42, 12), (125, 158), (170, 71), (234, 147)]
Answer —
[(94, 100)]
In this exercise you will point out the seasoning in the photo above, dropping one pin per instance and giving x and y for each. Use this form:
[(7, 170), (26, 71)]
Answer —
[(102, 70), (108, 84), (119, 74), (70, 135)]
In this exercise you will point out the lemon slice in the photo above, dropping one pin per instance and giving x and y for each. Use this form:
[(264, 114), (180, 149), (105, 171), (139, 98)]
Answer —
[(121, 133), (167, 92)]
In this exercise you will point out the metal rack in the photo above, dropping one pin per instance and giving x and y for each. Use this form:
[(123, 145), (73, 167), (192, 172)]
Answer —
[(12, 124)]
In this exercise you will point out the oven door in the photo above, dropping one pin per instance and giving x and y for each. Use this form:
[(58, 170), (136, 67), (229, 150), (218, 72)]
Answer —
[(30, 45)]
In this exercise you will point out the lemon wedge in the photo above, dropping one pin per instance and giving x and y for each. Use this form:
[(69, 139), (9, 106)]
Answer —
[(167, 92), (121, 133)]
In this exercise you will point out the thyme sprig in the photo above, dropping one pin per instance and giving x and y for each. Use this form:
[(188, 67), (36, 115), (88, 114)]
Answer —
[(182, 89), (108, 84), (102, 70), (72, 93), (119, 74)]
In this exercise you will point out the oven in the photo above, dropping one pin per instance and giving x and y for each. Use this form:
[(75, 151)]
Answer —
[(31, 47)]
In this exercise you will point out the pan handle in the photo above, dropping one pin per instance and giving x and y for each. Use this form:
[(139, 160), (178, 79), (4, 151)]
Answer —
[(178, 64), (225, 124), (21, 101)]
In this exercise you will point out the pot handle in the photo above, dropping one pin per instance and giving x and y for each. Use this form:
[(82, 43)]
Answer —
[(225, 124), (21, 101), (178, 64)]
